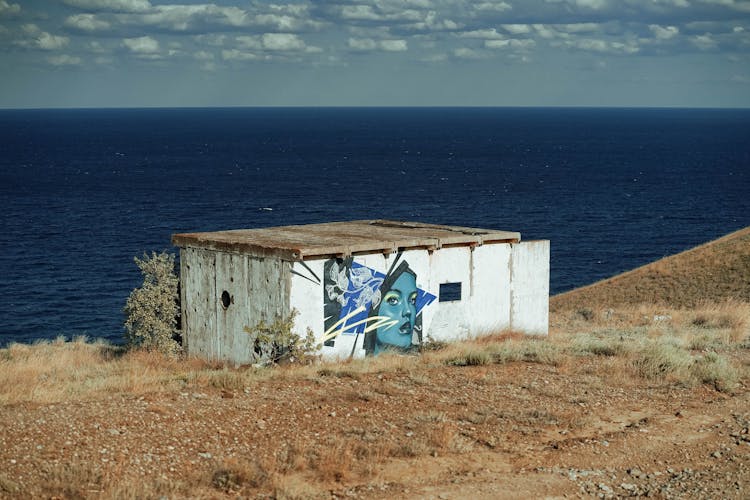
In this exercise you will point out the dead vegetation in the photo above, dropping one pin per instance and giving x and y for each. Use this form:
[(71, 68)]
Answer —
[(716, 271), (614, 389)]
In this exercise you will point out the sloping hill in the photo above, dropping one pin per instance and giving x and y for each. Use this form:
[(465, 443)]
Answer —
[(712, 272)]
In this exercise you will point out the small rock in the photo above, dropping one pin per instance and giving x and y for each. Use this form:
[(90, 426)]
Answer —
[(716, 454), (204, 455), (114, 432)]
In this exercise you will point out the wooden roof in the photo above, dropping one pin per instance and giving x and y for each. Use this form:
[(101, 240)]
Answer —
[(341, 239)]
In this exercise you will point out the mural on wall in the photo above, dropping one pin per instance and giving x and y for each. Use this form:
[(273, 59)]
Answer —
[(384, 308)]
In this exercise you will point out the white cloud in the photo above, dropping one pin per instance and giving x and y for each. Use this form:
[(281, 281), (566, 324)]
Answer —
[(368, 44), (486, 34), (517, 29), (282, 42), (510, 43), (587, 4), (363, 44), (739, 5), (9, 8), (141, 45), (493, 6), (663, 32), (603, 46), (270, 42), (467, 53), (64, 60), (369, 13), (86, 22), (39, 39), (203, 55), (591, 4), (394, 45), (189, 17), (704, 42), (111, 5)]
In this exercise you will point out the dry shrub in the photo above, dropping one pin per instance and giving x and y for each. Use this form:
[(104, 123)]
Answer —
[(470, 356), (152, 311), (335, 462), (610, 345), (293, 487), (715, 370), (731, 318), (660, 359), (235, 475), (442, 436)]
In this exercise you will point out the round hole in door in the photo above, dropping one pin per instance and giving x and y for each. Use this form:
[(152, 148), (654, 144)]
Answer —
[(226, 299)]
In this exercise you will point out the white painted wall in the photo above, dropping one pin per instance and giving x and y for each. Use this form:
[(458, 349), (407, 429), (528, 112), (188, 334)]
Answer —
[(503, 286), (495, 296), (530, 287)]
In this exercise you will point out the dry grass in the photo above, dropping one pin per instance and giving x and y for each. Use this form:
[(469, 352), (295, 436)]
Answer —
[(51, 372), (715, 271)]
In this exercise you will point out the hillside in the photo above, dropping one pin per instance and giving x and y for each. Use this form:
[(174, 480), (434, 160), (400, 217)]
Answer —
[(713, 272), (642, 400)]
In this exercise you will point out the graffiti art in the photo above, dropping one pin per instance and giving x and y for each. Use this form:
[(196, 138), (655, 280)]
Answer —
[(384, 308)]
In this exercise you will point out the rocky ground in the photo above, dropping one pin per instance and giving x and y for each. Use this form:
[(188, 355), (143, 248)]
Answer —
[(414, 430)]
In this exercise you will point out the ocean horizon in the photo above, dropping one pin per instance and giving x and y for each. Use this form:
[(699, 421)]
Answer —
[(83, 191)]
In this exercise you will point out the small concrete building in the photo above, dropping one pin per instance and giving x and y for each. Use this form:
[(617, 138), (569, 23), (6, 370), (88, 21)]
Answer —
[(360, 287)]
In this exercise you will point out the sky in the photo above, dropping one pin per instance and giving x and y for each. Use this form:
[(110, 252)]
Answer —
[(184, 53)]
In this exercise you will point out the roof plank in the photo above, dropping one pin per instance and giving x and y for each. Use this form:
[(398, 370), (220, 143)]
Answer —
[(311, 241)]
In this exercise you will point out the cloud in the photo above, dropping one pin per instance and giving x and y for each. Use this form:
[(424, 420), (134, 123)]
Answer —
[(704, 42), (144, 45), (482, 34), (368, 44), (510, 43), (282, 42), (64, 60), (38, 39), (86, 22), (9, 8), (467, 53), (394, 45), (492, 6), (613, 47), (517, 29), (110, 5), (269, 43), (664, 32)]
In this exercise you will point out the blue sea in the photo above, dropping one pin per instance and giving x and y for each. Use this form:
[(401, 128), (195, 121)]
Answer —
[(84, 191)]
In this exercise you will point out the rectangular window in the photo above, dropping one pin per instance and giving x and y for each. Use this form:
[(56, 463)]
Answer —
[(450, 292)]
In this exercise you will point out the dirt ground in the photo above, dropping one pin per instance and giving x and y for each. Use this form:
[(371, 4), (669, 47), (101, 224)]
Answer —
[(416, 431)]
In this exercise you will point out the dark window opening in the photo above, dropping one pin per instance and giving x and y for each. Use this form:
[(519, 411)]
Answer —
[(450, 292)]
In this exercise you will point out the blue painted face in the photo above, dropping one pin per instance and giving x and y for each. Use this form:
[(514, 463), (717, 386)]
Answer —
[(399, 304)]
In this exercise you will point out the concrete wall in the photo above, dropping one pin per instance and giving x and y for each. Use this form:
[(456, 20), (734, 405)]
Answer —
[(530, 287), (336, 298), (365, 304)]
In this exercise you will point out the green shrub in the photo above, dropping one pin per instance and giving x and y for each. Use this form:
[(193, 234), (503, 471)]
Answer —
[(151, 311), (277, 343)]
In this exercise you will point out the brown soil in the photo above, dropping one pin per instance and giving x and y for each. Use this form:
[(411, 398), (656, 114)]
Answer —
[(403, 428), (419, 431)]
